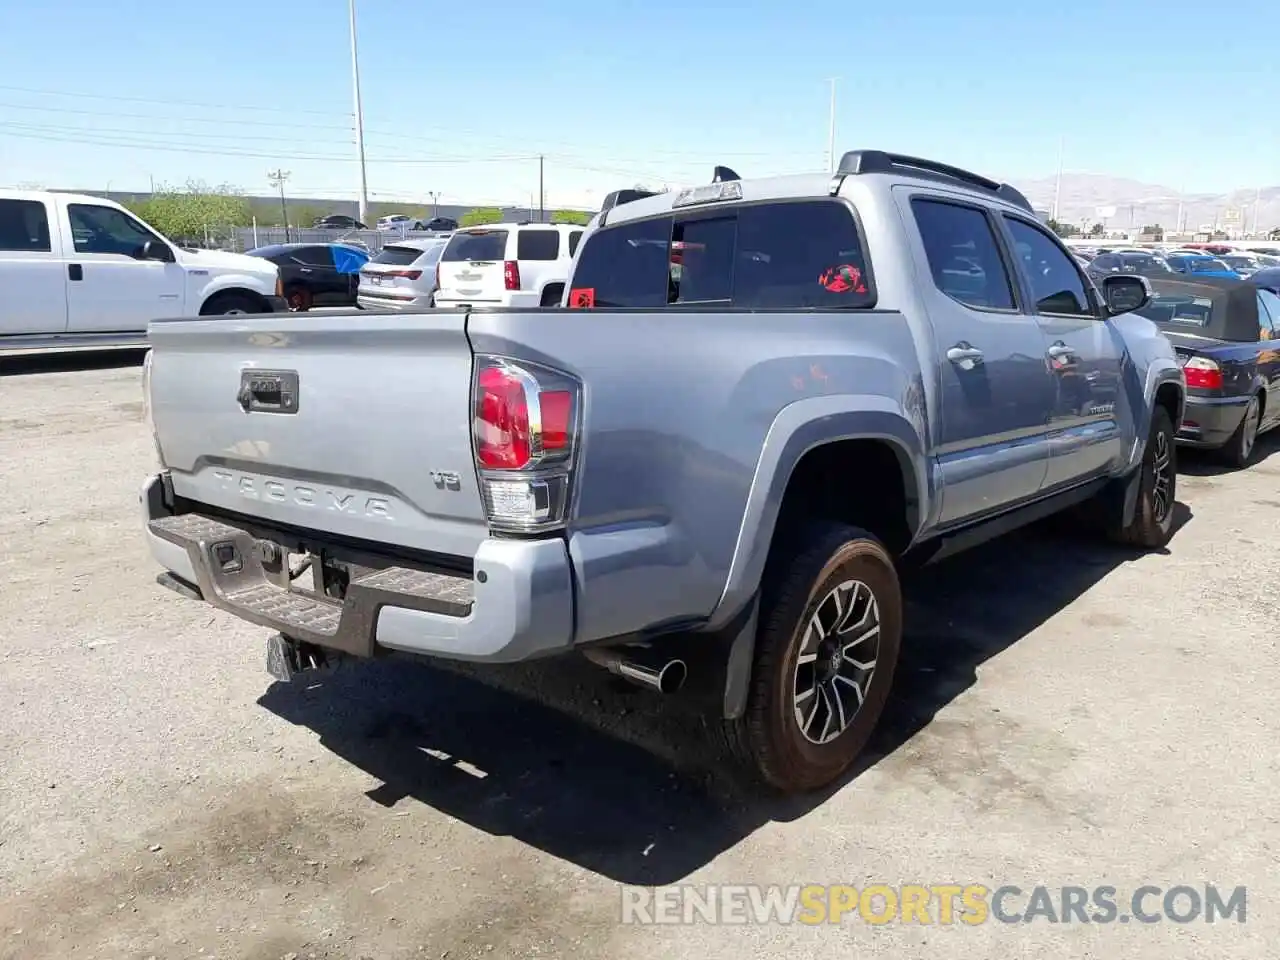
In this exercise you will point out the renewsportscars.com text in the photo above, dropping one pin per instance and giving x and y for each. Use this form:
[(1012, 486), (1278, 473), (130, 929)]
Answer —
[(946, 903)]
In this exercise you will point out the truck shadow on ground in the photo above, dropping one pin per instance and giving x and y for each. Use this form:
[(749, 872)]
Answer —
[(565, 758), (70, 361)]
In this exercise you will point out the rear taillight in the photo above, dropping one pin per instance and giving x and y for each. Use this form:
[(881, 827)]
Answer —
[(407, 274), (511, 275), (524, 434), (1202, 373)]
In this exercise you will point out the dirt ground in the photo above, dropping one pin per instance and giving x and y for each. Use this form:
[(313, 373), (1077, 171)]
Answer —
[(1067, 714)]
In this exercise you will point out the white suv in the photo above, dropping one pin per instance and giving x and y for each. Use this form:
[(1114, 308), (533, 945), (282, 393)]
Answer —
[(507, 264)]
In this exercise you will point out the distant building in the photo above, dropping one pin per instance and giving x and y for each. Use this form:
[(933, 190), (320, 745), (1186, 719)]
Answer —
[(1043, 213)]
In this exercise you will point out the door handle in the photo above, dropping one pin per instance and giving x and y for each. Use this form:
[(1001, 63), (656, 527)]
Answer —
[(965, 354), (305, 270), (1060, 351), (75, 271)]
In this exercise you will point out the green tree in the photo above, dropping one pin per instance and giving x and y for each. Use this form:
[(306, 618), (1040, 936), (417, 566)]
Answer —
[(196, 213), (1154, 230), (1061, 229), (571, 216), (1097, 230), (480, 216)]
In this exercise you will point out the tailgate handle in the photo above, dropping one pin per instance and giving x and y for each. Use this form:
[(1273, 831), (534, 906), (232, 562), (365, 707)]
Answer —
[(268, 391)]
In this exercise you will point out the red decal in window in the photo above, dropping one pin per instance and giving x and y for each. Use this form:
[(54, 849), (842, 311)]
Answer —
[(846, 278), (582, 297)]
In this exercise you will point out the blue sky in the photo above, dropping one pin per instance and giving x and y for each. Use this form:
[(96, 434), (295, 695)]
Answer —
[(460, 97)]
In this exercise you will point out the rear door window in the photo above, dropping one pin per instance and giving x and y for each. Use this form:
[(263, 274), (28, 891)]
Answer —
[(537, 245), (24, 226), (477, 246), (313, 256), (964, 257)]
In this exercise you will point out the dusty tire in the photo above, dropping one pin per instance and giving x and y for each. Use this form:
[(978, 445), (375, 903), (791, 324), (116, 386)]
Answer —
[(1152, 524), (231, 303), (299, 299), (1238, 451), (807, 595)]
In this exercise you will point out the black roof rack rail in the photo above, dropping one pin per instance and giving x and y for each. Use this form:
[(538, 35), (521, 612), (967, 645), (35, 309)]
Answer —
[(879, 161)]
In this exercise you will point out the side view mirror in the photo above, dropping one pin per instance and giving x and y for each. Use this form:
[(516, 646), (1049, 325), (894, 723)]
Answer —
[(154, 250), (1125, 293)]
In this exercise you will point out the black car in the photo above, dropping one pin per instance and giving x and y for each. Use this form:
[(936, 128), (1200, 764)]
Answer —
[(338, 221), (1142, 264), (1227, 336), (441, 224), (316, 274)]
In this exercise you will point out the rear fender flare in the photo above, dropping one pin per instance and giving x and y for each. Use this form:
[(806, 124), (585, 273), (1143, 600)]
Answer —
[(798, 428)]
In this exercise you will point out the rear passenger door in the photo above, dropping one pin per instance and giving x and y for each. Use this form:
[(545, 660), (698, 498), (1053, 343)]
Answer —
[(1084, 353), (33, 273), (538, 252), (996, 392)]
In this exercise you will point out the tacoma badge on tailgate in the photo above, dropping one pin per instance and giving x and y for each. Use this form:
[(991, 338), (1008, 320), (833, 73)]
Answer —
[(268, 391)]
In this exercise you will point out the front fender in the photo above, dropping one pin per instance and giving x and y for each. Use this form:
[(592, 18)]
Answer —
[(798, 428), (262, 285)]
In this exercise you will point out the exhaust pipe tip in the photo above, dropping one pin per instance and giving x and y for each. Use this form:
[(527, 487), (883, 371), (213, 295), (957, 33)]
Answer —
[(672, 676), (665, 677)]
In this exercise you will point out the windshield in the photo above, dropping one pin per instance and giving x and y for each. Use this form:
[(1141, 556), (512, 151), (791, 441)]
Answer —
[(1211, 265), (1238, 263), (1178, 309), (476, 245), (1133, 262)]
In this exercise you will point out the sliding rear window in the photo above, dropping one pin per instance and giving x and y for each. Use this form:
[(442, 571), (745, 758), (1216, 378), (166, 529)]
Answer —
[(770, 256), (476, 245)]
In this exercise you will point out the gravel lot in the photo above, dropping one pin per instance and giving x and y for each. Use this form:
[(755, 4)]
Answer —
[(1067, 714)]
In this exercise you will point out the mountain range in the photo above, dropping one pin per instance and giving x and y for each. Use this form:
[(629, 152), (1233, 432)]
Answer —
[(1139, 204)]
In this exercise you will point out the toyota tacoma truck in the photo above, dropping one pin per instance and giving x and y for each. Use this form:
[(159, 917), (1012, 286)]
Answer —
[(758, 400)]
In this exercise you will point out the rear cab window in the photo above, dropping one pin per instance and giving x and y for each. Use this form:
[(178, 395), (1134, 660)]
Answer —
[(476, 246), (537, 245), (775, 255)]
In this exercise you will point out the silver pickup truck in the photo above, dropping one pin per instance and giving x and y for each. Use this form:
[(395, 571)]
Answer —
[(758, 401)]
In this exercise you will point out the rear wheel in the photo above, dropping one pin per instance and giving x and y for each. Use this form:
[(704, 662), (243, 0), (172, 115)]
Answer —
[(830, 632), (1152, 523), (299, 299), (1238, 451)]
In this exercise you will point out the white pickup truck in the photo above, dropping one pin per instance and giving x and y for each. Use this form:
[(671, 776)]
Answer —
[(83, 271)]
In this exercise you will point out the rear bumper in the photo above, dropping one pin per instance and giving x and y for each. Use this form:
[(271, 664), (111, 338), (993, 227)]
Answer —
[(1210, 421), (370, 302), (513, 298), (517, 606)]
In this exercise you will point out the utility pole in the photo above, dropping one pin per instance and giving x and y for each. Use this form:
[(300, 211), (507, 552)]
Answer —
[(435, 202), (1257, 211), (542, 213), (1057, 187), (831, 130), (355, 86), (277, 178)]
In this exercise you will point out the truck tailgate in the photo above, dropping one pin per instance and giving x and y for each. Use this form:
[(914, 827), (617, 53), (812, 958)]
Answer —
[(377, 449)]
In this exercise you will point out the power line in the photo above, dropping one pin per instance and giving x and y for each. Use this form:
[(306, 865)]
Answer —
[(174, 103)]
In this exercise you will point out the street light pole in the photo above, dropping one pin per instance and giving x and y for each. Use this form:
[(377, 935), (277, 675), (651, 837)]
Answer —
[(277, 178), (831, 131), (355, 85), (1057, 186)]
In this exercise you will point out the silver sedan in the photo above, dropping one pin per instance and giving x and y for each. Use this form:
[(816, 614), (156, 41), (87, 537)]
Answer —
[(402, 276)]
